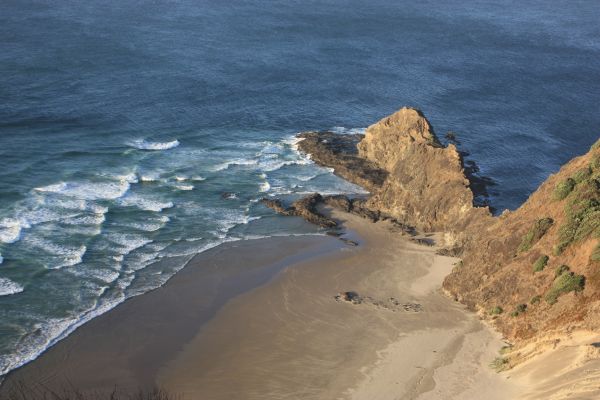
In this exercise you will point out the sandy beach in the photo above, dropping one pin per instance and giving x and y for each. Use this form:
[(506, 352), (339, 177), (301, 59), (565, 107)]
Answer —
[(259, 320)]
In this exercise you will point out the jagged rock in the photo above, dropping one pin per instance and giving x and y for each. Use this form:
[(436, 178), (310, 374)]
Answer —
[(278, 206), (426, 185), (305, 207), (339, 152), (352, 297)]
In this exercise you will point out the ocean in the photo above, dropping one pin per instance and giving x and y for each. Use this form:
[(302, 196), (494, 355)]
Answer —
[(134, 134)]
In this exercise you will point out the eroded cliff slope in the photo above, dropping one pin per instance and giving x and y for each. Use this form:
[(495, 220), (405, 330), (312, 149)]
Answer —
[(529, 271)]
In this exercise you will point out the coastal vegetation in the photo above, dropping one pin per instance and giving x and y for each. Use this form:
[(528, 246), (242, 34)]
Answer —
[(582, 210), (535, 299), (520, 309), (540, 263), (537, 231), (564, 188), (565, 283), (496, 310)]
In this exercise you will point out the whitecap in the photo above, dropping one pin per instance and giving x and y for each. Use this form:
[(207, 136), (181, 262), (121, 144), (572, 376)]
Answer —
[(8, 287), (148, 225), (198, 178), (238, 161), (348, 131), (143, 144), (264, 187), (135, 200), (184, 187), (10, 230), (89, 190), (128, 242), (65, 256)]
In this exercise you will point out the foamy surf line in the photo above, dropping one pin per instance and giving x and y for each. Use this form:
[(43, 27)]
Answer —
[(143, 144), (60, 329)]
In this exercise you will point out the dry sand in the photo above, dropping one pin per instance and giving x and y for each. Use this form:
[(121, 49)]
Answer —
[(258, 320), (291, 339)]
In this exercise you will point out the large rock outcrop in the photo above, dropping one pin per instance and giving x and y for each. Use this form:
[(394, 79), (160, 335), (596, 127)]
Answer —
[(529, 271), (426, 185)]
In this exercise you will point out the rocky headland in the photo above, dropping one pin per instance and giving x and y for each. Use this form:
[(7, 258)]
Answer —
[(529, 272)]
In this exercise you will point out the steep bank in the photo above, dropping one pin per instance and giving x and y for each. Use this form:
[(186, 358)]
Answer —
[(528, 271)]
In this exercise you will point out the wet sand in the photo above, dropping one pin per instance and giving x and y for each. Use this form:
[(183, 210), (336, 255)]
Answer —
[(259, 320), (291, 339)]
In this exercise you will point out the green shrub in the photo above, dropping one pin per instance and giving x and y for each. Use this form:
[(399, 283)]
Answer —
[(535, 299), (596, 254), (582, 215), (499, 364), (520, 309), (561, 270), (595, 163), (564, 188), (496, 310), (541, 263), (559, 248), (539, 229), (582, 175), (565, 283)]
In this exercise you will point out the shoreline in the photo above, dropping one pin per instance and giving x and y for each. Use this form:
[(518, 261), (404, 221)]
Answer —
[(217, 318), (208, 281)]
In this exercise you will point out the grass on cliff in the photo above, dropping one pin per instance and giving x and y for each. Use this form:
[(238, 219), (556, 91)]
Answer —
[(564, 188), (582, 213), (596, 254), (540, 263), (565, 283), (520, 309), (539, 229), (561, 270), (496, 310)]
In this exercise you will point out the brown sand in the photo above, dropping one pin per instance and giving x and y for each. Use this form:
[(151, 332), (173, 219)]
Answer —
[(291, 339), (224, 329), (126, 346)]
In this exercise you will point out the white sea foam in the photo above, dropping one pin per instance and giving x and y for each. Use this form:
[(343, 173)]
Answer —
[(93, 219), (264, 187), (198, 178), (150, 225), (89, 190), (135, 200), (238, 161), (348, 131), (62, 256), (143, 144), (10, 230), (184, 187), (128, 242), (8, 287)]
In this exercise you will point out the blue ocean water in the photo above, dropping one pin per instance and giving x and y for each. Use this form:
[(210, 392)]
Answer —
[(122, 123)]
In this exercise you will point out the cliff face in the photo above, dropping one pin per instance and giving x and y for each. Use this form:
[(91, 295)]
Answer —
[(538, 268), (426, 185), (529, 271)]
